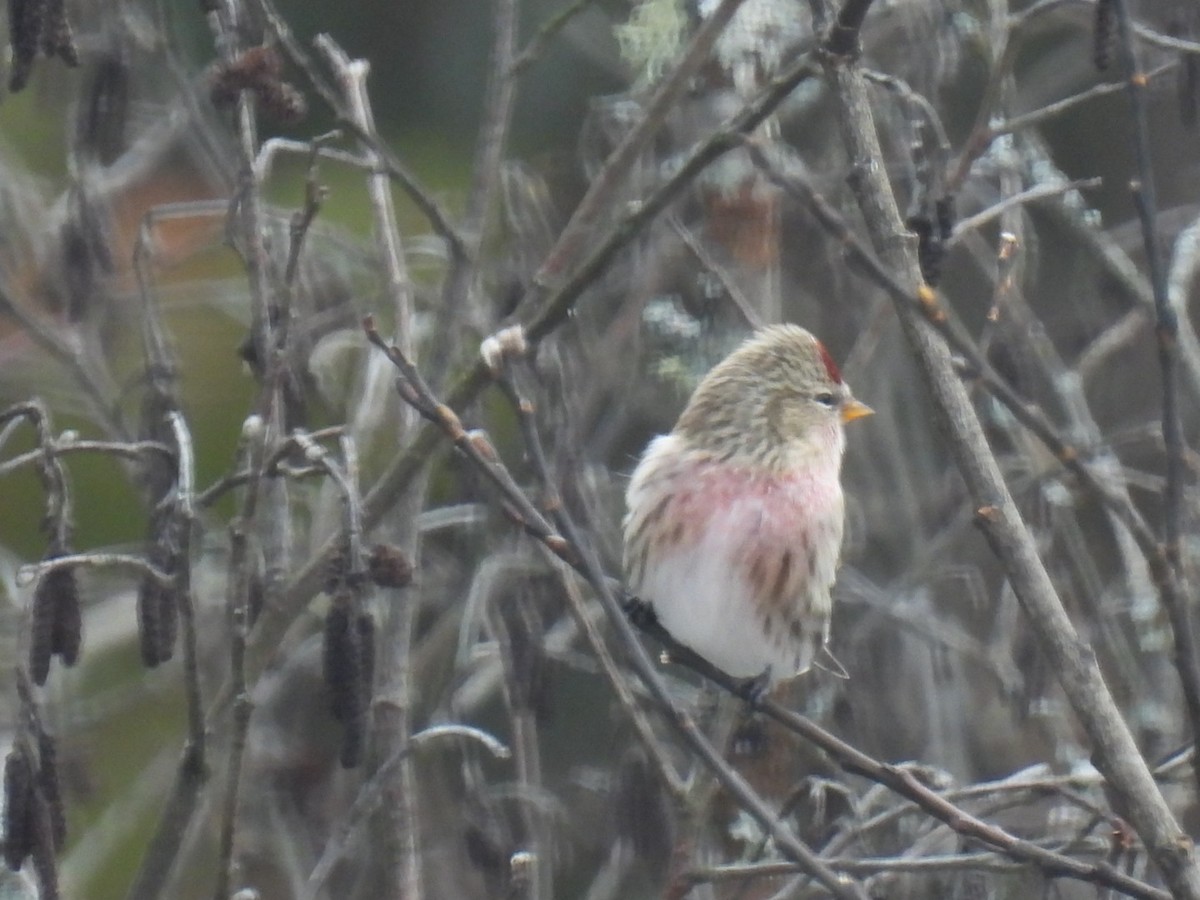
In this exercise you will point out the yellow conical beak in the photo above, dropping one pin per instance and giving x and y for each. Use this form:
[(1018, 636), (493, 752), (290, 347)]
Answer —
[(855, 410)]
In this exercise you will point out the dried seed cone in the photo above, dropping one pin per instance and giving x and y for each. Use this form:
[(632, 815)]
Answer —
[(169, 623), (735, 518), (41, 633), (26, 19), (158, 603), (389, 567), (18, 809), (101, 128), (282, 101), (158, 622), (354, 734), (47, 782), (149, 622), (366, 650), (57, 626), (67, 633), (340, 656), (930, 249), (357, 691), (43, 850), (349, 661)]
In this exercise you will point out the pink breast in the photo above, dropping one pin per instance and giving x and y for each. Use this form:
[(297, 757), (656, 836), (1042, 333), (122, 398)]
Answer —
[(754, 508)]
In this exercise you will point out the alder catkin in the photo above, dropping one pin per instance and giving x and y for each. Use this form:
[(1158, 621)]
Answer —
[(18, 809), (67, 630), (41, 632), (149, 616), (47, 782), (366, 655), (339, 657), (25, 21)]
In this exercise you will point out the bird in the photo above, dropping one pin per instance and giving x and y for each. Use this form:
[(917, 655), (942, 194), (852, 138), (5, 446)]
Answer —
[(734, 522)]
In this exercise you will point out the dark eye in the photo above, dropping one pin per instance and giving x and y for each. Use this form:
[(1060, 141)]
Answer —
[(826, 399)]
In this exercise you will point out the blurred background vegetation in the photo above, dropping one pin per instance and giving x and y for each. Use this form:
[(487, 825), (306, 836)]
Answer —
[(942, 669)]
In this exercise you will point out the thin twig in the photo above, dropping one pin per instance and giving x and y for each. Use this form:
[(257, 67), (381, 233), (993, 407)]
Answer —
[(554, 502), (371, 794), (546, 32), (192, 774), (29, 573), (1187, 659), (272, 465), (841, 39), (900, 779), (736, 296), (527, 758), (393, 722), (314, 196), (553, 308), (241, 567), (95, 385), (1032, 195), (603, 187), (979, 862), (1050, 110), (526, 413), (462, 273), (184, 507), (68, 444), (60, 516), (422, 198), (476, 447), (1072, 659), (927, 304)]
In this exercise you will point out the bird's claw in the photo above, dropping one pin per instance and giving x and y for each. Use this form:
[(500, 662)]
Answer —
[(754, 690), (640, 613)]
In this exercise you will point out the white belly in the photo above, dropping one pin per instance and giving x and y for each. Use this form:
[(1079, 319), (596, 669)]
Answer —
[(702, 586)]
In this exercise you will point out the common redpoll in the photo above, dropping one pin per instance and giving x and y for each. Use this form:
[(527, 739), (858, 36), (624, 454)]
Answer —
[(734, 525)]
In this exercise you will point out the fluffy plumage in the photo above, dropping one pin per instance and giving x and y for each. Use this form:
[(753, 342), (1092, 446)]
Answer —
[(735, 518)]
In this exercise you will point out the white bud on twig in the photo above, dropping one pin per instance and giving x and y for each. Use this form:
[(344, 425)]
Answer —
[(252, 428), (503, 345)]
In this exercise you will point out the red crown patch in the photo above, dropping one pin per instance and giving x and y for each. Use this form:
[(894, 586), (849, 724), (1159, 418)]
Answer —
[(830, 366)]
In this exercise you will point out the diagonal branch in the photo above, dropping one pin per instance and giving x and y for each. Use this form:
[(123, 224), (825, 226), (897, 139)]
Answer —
[(1116, 752), (566, 543), (1167, 334)]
